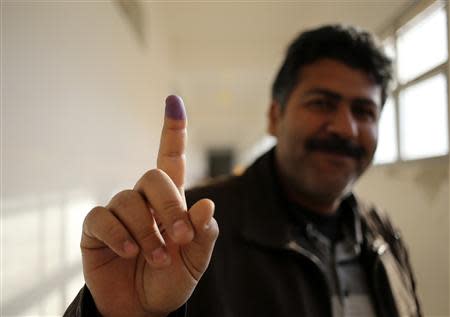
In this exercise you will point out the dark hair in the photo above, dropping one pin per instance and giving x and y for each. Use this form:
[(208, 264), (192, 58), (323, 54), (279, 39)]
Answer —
[(354, 47)]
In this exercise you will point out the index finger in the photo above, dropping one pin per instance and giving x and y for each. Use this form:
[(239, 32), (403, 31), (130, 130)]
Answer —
[(171, 154)]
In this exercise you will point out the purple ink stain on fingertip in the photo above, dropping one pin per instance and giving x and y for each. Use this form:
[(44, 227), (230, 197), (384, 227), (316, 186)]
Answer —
[(175, 108)]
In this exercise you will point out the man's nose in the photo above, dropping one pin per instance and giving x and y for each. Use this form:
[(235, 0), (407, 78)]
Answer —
[(343, 123)]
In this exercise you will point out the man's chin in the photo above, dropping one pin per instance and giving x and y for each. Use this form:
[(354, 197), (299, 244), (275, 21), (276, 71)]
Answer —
[(332, 185)]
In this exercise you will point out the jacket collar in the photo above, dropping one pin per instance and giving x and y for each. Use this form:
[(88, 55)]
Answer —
[(271, 225)]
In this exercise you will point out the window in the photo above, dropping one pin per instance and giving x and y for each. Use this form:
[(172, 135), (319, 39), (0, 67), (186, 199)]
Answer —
[(423, 121), (414, 122), (422, 44), (387, 146)]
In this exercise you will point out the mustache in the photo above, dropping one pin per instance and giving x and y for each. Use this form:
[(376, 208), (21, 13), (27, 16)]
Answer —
[(336, 145)]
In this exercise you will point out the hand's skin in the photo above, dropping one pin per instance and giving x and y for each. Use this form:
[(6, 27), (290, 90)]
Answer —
[(135, 261)]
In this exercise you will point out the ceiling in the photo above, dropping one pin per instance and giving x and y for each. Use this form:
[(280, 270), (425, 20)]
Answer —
[(209, 20)]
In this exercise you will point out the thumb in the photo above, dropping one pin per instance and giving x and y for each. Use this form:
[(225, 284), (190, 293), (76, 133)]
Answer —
[(199, 250)]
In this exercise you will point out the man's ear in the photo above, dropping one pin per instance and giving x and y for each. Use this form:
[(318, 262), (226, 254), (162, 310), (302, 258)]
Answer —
[(274, 115)]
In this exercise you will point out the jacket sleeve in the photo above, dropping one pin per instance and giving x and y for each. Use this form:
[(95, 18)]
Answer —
[(403, 256), (84, 306)]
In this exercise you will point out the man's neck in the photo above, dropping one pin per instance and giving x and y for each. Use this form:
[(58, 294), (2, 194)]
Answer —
[(322, 206)]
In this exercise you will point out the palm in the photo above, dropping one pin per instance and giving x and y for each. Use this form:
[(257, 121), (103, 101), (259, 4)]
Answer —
[(136, 282)]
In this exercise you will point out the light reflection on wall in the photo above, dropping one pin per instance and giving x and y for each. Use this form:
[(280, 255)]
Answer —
[(41, 266)]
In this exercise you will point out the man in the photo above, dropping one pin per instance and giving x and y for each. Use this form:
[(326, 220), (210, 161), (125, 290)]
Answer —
[(294, 240)]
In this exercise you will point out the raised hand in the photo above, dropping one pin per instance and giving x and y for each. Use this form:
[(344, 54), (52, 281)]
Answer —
[(144, 253)]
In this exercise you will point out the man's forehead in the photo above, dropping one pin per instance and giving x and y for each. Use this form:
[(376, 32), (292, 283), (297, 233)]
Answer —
[(336, 77)]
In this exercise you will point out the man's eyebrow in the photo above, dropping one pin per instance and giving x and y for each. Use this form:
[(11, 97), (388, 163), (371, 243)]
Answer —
[(365, 102), (336, 96)]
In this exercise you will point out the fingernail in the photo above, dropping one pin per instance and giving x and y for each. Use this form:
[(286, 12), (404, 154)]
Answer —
[(175, 108), (129, 247), (208, 225), (159, 255), (180, 229)]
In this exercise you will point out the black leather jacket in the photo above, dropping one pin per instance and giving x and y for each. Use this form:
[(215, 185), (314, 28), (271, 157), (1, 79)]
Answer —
[(258, 270)]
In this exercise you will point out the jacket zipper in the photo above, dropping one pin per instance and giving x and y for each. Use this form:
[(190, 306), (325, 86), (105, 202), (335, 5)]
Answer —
[(295, 247)]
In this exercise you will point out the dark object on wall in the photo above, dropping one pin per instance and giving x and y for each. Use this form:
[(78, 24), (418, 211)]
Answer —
[(220, 161)]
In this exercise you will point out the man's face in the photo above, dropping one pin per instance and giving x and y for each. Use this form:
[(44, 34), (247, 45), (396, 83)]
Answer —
[(327, 133)]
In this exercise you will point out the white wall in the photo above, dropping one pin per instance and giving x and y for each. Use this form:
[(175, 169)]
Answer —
[(81, 113), (221, 84), (448, 96)]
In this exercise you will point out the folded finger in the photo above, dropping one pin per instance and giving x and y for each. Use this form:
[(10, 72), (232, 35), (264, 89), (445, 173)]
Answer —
[(198, 252), (167, 203), (102, 229), (131, 209)]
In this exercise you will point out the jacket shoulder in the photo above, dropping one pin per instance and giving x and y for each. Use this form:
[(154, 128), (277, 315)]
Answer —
[(218, 189), (378, 220)]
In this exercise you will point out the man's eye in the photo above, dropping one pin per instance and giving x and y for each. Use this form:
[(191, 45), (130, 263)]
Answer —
[(365, 114)]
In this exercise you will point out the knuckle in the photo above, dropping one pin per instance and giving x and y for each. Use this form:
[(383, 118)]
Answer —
[(92, 216), (172, 206), (148, 236), (123, 199), (153, 174), (115, 232)]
